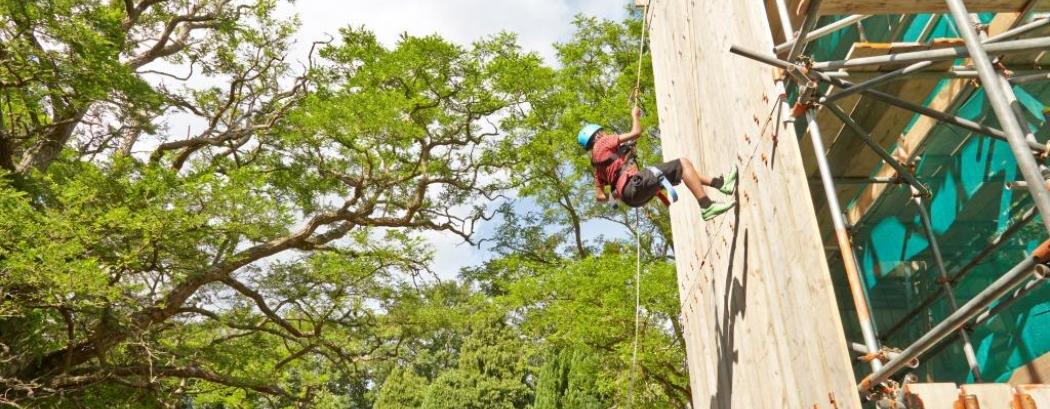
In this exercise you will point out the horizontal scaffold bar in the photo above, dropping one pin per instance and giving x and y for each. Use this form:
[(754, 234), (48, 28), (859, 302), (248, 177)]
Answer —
[(940, 54), (887, 98), (823, 31), (974, 307)]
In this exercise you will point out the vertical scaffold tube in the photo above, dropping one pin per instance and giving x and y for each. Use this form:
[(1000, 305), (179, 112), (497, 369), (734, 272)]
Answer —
[(860, 300), (938, 259), (997, 97)]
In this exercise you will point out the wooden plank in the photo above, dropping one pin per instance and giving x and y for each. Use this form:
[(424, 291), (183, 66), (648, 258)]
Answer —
[(832, 7), (760, 317), (931, 395), (911, 143), (1035, 371), (906, 149), (830, 126), (1036, 58), (848, 155), (774, 21), (1034, 396), (991, 395)]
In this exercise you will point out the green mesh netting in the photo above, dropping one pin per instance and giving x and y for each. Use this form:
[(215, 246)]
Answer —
[(970, 207)]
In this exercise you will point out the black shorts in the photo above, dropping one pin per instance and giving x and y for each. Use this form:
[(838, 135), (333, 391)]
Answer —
[(641, 187)]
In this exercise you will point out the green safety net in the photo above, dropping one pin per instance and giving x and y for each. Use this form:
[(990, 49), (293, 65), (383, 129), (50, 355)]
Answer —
[(967, 174)]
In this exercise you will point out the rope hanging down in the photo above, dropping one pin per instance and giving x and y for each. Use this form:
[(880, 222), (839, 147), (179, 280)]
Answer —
[(632, 101)]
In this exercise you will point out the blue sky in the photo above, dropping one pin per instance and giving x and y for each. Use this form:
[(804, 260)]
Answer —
[(538, 23)]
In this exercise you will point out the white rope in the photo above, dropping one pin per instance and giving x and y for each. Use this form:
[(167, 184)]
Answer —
[(637, 224), (641, 54), (637, 302)]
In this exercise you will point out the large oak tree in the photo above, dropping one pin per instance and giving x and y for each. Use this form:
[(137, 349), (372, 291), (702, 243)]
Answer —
[(250, 259)]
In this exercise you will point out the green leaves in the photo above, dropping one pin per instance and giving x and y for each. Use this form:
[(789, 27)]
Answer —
[(490, 374), (273, 256)]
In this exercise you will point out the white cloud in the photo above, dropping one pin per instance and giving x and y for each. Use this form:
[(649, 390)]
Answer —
[(538, 23)]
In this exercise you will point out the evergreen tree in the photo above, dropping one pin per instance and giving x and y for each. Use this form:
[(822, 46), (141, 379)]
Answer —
[(403, 389), (491, 374), (568, 380)]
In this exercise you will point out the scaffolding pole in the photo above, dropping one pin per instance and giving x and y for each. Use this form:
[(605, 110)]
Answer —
[(956, 72), (938, 260), (1042, 274), (939, 54), (961, 122), (821, 32), (808, 22), (903, 172), (887, 98), (1024, 79), (1019, 30), (988, 250), (878, 80), (1040, 277), (1019, 185), (999, 96), (1013, 278), (860, 302)]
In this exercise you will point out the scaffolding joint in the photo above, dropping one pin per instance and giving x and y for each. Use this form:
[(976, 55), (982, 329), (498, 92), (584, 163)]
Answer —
[(918, 191), (980, 27), (999, 66), (885, 354), (886, 395), (1041, 272), (808, 88), (800, 72)]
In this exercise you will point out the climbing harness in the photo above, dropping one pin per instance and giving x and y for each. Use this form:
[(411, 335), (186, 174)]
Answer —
[(666, 184), (629, 152)]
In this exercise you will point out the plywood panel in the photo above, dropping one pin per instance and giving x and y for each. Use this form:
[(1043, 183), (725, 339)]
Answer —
[(1035, 371), (762, 327), (991, 395), (1034, 396), (831, 7), (931, 395)]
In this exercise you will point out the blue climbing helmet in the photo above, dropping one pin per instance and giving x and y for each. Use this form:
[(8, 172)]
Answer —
[(586, 133)]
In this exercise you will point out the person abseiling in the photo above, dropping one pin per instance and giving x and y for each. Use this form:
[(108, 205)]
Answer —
[(634, 187)]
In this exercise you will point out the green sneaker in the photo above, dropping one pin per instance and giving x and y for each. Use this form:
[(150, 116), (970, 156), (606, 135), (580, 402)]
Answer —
[(729, 183), (716, 209)]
